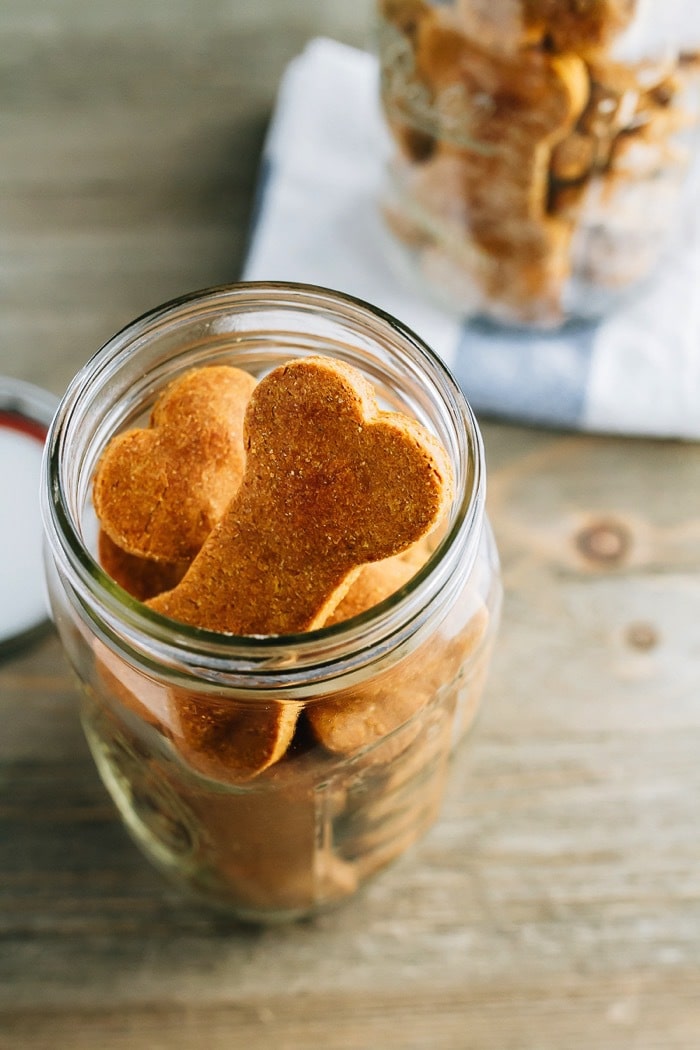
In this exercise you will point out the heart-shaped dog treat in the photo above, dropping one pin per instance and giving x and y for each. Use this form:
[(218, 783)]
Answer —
[(330, 483), (159, 491), (142, 577)]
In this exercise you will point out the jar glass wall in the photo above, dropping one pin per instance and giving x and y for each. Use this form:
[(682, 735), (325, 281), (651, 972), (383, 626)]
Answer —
[(272, 775), (541, 148)]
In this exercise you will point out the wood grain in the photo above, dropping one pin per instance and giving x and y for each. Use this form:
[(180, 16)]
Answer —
[(556, 905)]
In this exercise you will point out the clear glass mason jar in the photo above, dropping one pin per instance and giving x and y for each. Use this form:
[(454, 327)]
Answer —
[(182, 721), (541, 148)]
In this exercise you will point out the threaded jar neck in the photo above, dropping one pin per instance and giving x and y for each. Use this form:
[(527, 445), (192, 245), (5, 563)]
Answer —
[(255, 326)]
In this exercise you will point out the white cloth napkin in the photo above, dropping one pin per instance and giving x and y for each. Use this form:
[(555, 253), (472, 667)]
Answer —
[(318, 221)]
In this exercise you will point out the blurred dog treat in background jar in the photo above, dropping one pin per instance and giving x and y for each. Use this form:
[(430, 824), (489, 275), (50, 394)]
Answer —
[(542, 147)]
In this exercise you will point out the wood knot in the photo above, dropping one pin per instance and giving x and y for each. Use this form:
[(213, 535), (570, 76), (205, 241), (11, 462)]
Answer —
[(605, 542), (642, 636)]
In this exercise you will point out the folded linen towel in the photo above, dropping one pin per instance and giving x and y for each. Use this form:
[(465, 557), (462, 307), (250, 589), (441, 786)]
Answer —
[(318, 221)]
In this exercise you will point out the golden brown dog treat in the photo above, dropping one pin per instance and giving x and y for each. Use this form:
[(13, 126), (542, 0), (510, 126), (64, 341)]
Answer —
[(218, 738), (159, 491), (573, 158), (578, 25), (482, 192), (231, 742), (285, 869), (330, 483), (627, 128), (495, 198), (371, 711), (396, 790), (492, 229), (611, 107), (530, 90), (405, 14), (488, 217), (133, 689), (143, 578), (532, 96), (380, 580)]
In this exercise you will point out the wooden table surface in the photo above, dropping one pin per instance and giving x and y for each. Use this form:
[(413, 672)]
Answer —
[(556, 905)]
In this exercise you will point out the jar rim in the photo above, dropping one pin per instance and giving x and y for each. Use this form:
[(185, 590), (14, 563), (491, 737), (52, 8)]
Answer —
[(126, 621)]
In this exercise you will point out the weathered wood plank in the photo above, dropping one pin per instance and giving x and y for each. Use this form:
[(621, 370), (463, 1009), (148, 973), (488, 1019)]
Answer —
[(521, 1017)]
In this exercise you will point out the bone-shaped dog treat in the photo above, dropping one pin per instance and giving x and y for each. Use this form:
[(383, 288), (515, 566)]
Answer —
[(405, 14), (228, 741), (517, 106), (578, 25), (331, 482), (532, 96), (159, 491), (562, 25)]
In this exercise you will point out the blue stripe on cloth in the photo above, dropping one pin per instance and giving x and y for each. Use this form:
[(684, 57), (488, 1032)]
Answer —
[(534, 377)]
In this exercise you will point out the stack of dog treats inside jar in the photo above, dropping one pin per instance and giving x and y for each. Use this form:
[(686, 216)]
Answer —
[(541, 147)]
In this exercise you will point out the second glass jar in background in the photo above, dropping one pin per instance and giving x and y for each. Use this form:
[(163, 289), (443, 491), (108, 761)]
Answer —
[(541, 148), (183, 722)]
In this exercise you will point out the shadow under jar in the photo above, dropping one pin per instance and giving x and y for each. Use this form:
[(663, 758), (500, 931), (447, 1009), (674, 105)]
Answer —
[(541, 149), (180, 720)]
